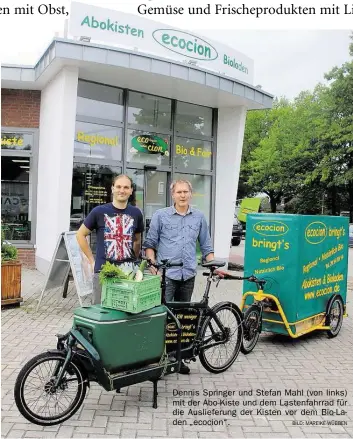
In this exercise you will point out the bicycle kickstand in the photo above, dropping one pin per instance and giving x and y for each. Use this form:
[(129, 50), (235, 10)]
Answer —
[(155, 393)]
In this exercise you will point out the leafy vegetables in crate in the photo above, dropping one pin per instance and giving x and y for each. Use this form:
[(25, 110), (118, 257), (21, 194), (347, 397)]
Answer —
[(139, 273), (111, 271)]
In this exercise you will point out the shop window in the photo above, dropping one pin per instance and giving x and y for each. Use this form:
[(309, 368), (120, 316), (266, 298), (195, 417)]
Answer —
[(16, 141), (147, 148), (137, 177), (192, 154), (193, 119), (97, 100), (91, 187), (16, 198), (201, 192), (149, 111), (98, 141)]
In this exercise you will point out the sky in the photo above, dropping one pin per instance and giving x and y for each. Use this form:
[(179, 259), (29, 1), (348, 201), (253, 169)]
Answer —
[(286, 61)]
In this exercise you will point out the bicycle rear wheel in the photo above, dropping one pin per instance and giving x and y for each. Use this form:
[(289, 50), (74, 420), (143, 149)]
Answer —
[(219, 350), (251, 329), (39, 400)]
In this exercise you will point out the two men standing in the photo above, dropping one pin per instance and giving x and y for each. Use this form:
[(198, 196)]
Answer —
[(173, 234)]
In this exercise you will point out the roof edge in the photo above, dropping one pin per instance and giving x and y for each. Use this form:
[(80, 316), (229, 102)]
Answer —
[(131, 52)]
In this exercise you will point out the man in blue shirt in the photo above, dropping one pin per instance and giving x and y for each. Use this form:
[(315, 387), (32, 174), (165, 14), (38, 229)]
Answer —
[(173, 234), (119, 227)]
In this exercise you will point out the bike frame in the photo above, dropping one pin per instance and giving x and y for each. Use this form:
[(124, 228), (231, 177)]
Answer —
[(205, 311)]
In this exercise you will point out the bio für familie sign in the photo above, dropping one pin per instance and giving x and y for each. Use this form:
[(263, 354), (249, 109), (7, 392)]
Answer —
[(132, 32)]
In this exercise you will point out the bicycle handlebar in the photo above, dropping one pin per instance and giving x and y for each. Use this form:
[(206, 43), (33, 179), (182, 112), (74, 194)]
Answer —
[(165, 263)]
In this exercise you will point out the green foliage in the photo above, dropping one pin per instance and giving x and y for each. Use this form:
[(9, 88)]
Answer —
[(111, 271), (301, 152), (8, 252)]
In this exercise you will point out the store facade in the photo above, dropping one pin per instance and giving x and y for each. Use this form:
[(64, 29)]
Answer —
[(152, 139), (107, 110)]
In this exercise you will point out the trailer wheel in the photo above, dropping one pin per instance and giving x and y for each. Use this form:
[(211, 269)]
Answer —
[(334, 316)]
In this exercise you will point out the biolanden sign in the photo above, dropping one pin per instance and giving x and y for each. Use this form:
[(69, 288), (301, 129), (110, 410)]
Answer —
[(131, 32)]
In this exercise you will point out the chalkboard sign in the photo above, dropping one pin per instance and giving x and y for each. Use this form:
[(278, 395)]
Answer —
[(188, 319), (69, 257)]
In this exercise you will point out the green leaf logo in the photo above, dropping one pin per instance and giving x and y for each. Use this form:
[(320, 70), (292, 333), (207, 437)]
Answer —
[(149, 144)]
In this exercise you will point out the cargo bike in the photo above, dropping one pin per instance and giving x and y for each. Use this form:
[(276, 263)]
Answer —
[(117, 349)]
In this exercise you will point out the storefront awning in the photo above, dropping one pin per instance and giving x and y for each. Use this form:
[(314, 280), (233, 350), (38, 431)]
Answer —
[(136, 71)]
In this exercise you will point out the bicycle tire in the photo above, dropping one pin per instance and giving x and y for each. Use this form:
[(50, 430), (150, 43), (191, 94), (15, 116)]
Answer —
[(251, 329), (218, 309), (334, 332), (22, 400)]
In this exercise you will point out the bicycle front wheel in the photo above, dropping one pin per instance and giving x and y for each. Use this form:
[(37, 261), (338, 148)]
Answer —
[(37, 397), (220, 346)]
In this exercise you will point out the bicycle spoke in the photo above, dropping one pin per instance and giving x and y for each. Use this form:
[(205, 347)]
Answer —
[(220, 354), (42, 398)]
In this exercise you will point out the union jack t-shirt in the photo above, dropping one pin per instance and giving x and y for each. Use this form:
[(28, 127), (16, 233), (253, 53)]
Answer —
[(115, 230)]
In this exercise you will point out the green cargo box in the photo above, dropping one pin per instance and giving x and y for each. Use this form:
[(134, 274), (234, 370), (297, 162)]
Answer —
[(304, 259), (123, 340)]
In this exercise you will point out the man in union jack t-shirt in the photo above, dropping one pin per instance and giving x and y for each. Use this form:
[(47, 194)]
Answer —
[(118, 226)]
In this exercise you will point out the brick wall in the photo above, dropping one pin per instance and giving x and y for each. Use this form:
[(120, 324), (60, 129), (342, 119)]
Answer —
[(27, 257), (20, 108)]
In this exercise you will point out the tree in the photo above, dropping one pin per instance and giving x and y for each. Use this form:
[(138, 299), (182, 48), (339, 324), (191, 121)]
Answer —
[(265, 165), (334, 145), (256, 128), (302, 151)]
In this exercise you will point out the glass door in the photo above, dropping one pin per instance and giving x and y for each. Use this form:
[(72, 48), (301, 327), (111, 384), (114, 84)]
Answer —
[(151, 191), (156, 184)]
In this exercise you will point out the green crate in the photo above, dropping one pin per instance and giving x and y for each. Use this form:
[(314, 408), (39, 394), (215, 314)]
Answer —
[(131, 296)]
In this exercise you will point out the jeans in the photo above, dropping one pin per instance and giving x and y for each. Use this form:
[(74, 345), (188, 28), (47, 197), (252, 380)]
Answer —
[(179, 290)]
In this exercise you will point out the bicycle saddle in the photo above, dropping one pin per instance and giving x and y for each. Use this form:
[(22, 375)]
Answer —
[(214, 263)]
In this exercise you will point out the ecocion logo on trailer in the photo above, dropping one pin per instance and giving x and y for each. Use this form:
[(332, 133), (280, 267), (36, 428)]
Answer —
[(271, 228), (315, 232)]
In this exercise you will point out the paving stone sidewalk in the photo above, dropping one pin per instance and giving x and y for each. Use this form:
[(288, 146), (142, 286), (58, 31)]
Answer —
[(312, 362)]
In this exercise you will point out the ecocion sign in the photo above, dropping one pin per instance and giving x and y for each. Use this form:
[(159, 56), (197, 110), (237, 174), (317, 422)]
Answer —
[(185, 44), (149, 144)]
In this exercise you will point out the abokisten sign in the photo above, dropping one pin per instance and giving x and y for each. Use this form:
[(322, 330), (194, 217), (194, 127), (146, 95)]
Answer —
[(131, 32)]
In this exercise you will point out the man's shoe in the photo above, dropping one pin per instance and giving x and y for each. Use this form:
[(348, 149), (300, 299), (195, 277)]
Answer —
[(184, 369)]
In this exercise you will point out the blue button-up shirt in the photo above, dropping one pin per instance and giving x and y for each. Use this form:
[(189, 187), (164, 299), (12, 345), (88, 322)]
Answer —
[(173, 237)]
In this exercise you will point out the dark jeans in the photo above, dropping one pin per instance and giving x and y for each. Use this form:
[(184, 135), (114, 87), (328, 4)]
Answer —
[(179, 290)]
